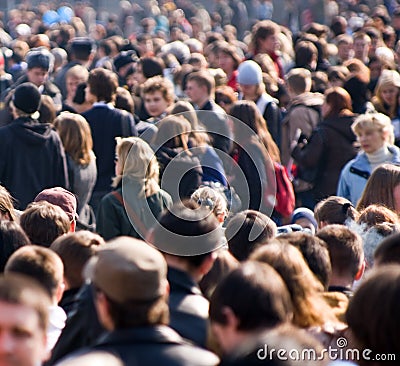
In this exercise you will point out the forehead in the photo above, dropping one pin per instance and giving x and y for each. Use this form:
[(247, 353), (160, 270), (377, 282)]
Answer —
[(18, 316), (37, 70), (154, 94)]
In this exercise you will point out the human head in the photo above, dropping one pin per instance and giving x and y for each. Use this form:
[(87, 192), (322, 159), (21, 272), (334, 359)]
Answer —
[(158, 95), (130, 279), (24, 306), (228, 59), (225, 96), (334, 210), (304, 217), (269, 307), (173, 131), (41, 264), (306, 55), (76, 75), (338, 102), (387, 88), (44, 222), (246, 230), (213, 200), (47, 110), (200, 86), (298, 81), (345, 251), (383, 187), (40, 63), (344, 43), (6, 205), (102, 85), (75, 249), (82, 49), (362, 44), (373, 322), (26, 100), (264, 37), (186, 110)]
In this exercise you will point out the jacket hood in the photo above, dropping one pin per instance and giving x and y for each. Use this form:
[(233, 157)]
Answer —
[(31, 131), (342, 125), (308, 99)]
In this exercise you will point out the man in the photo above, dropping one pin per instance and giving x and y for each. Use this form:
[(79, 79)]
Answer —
[(106, 123), (31, 154), (181, 228), (23, 311), (45, 267), (131, 295), (200, 88)]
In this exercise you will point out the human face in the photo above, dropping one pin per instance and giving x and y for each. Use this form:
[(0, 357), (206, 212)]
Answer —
[(37, 75), (89, 97), (226, 63), (155, 103), (361, 48), (22, 341), (195, 92), (249, 91), (371, 140), (72, 84), (389, 94), (138, 75), (269, 44)]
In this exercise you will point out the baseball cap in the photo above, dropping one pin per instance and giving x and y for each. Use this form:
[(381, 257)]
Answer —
[(127, 269), (60, 197)]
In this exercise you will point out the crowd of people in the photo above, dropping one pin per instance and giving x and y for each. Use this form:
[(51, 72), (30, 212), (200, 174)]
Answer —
[(196, 184)]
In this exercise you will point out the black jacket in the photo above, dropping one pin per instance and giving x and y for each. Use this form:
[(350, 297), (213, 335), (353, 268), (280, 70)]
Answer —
[(154, 345), (188, 307), (32, 158)]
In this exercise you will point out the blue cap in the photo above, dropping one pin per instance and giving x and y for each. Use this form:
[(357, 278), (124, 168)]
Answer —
[(250, 73)]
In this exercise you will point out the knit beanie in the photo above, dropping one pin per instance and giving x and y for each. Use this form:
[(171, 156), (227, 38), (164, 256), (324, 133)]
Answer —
[(249, 73), (27, 98)]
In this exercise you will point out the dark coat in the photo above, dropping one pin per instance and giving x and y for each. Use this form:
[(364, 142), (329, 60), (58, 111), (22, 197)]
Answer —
[(330, 147), (32, 158), (188, 307), (154, 345), (106, 124)]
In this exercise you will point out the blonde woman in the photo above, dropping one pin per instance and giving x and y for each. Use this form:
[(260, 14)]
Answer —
[(76, 137), (374, 132), (137, 200)]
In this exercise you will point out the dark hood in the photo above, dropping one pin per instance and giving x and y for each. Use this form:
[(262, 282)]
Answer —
[(342, 125), (31, 131)]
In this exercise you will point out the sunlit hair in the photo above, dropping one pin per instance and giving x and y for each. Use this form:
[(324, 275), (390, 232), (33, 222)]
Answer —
[(305, 290), (375, 214), (374, 121), (339, 101), (158, 83), (335, 210), (380, 186), (171, 131), (76, 137), (210, 198), (247, 115), (6, 203), (388, 78), (187, 111), (138, 161)]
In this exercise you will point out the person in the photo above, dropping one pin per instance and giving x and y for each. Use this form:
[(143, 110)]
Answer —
[(75, 249), (383, 187), (24, 305), (106, 123), (233, 321), (304, 217), (347, 257), (75, 78), (252, 88), (373, 322), (228, 61), (7, 211), (247, 230), (375, 134), (44, 222), (76, 137), (131, 294), (256, 154), (331, 144), (387, 252), (135, 211), (180, 229), (34, 148), (213, 200), (45, 267)]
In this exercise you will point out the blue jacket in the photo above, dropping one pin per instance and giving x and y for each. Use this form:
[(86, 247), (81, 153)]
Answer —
[(355, 174)]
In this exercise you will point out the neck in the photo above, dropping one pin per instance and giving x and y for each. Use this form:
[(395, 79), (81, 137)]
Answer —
[(341, 281)]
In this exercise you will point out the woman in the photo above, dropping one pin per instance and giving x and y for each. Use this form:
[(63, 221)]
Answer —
[(75, 79), (7, 211), (330, 146), (229, 60), (255, 154), (76, 137), (137, 200), (374, 131)]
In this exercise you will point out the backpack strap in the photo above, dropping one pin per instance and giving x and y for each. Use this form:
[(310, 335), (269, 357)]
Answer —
[(139, 226)]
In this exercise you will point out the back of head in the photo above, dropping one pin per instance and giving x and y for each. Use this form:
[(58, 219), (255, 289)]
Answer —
[(299, 80), (75, 249), (44, 222), (334, 210), (246, 230), (388, 251), (345, 249), (81, 48), (39, 263), (267, 299), (103, 84), (26, 99)]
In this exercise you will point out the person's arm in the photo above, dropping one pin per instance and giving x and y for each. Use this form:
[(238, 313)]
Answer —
[(108, 220), (309, 155), (343, 186)]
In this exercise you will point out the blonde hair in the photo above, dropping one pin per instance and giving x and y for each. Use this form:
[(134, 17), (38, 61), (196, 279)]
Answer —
[(374, 121), (76, 137), (170, 132), (210, 198), (139, 162)]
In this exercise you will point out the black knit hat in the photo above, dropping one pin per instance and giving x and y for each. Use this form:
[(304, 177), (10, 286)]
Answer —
[(125, 58), (27, 98)]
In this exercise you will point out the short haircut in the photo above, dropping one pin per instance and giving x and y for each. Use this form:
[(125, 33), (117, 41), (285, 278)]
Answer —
[(343, 39), (267, 301), (345, 249), (203, 78), (299, 80), (39, 263), (246, 230), (44, 222), (21, 290), (103, 84), (158, 83), (374, 121), (75, 249), (314, 251), (388, 251)]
